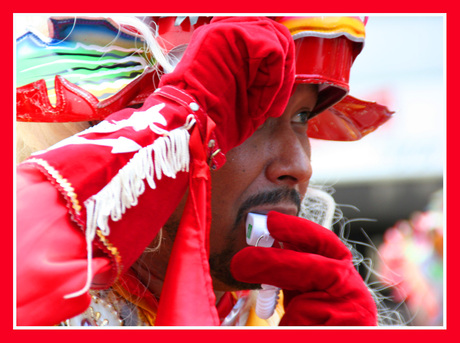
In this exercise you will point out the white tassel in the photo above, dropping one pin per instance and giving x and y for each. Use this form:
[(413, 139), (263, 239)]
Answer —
[(167, 156)]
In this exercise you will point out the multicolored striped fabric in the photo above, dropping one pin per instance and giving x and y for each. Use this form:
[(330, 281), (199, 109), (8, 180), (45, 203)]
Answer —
[(110, 64), (91, 53), (326, 27)]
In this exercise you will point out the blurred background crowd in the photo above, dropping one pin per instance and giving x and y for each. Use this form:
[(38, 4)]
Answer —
[(390, 185)]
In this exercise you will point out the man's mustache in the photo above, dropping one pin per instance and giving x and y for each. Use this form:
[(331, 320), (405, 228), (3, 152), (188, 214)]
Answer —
[(273, 197)]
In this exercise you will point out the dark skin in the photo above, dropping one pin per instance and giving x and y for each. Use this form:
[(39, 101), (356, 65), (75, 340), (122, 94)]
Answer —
[(270, 171)]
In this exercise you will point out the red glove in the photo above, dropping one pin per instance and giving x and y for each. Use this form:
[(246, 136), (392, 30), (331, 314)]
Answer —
[(240, 70), (315, 271)]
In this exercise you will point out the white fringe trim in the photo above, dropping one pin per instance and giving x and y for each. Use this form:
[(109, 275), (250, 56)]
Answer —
[(167, 156)]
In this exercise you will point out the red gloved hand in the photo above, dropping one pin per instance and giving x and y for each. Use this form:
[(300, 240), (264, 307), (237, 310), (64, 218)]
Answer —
[(240, 70), (315, 271)]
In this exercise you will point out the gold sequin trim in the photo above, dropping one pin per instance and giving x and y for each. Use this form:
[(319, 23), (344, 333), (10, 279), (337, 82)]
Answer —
[(113, 250), (60, 180)]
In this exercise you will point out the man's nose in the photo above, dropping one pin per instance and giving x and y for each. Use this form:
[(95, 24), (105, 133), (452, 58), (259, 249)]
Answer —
[(290, 159)]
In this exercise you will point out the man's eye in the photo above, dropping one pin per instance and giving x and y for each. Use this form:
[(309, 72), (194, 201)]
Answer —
[(301, 117)]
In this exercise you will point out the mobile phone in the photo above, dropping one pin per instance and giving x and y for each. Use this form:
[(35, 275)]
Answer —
[(257, 234), (256, 231)]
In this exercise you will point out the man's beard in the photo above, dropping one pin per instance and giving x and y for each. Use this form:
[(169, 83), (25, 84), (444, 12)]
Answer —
[(220, 270), (220, 262)]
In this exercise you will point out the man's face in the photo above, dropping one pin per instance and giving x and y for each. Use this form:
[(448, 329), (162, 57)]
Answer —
[(269, 171)]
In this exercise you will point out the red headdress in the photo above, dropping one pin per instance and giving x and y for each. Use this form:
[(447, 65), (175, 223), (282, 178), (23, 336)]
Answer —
[(326, 48)]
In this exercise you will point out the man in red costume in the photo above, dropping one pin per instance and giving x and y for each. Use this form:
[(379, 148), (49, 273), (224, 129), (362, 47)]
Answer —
[(226, 133)]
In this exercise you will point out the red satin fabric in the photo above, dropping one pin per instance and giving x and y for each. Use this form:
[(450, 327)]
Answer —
[(51, 254), (188, 268)]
